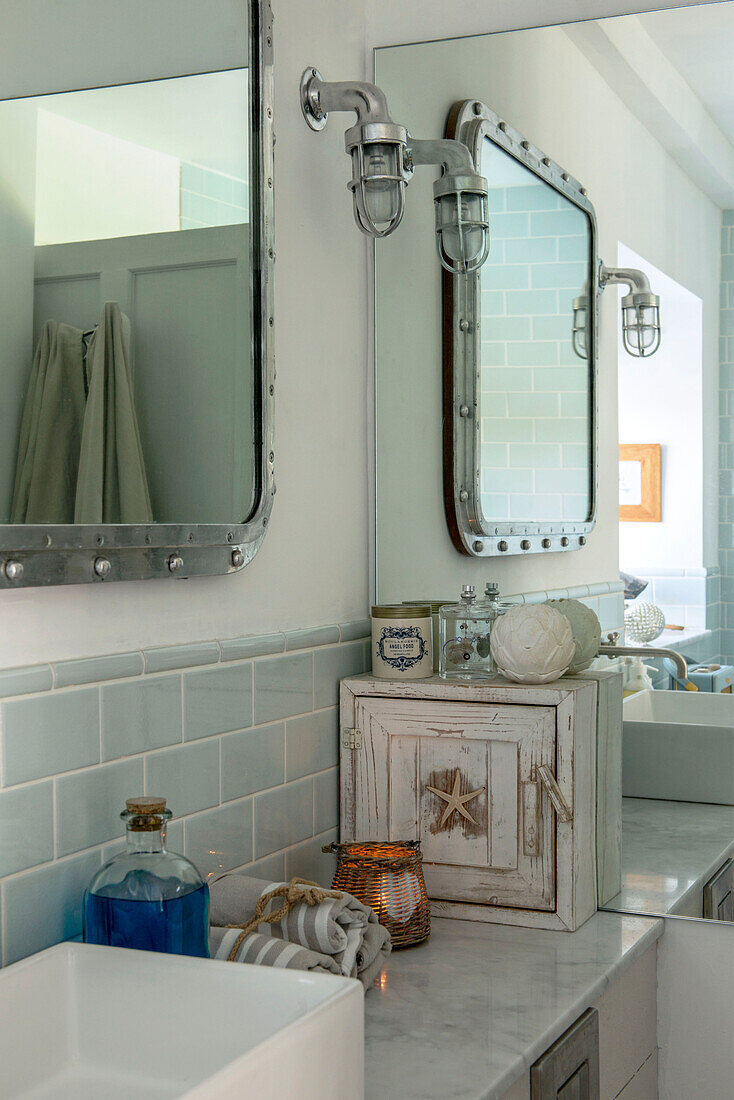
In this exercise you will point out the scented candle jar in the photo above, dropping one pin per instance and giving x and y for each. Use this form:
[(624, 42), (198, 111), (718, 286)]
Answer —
[(402, 642)]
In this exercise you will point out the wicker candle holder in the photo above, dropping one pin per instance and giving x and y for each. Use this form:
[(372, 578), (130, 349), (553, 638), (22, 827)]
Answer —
[(388, 877)]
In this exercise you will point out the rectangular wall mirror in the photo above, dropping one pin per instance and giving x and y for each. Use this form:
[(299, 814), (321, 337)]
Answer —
[(136, 305), (520, 355)]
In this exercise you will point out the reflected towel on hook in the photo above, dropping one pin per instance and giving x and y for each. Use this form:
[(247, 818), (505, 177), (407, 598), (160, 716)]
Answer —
[(112, 486), (51, 429)]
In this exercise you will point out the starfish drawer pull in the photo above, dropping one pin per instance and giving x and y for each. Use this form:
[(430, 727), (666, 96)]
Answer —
[(455, 800)]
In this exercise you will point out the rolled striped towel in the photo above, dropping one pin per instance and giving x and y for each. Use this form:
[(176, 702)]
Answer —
[(341, 931), (269, 951)]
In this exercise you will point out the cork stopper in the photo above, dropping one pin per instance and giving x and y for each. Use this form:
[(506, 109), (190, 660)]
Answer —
[(146, 804)]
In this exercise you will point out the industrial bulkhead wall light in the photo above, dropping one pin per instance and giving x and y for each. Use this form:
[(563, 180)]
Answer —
[(384, 157), (640, 310)]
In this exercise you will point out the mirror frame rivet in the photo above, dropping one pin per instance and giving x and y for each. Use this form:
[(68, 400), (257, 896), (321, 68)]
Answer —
[(13, 570), (238, 558), (175, 563), (102, 566)]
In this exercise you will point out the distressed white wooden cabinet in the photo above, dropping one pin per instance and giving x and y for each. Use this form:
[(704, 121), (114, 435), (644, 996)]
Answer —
[(496, 780)]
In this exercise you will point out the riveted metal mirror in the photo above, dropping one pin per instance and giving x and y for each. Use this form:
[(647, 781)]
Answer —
[(520, 344), (136, 303)]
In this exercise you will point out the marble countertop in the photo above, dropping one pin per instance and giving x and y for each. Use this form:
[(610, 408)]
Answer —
[(669, 850), (465, 1014)]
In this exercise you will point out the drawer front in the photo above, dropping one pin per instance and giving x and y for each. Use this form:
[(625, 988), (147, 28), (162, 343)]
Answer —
[(463, 779)]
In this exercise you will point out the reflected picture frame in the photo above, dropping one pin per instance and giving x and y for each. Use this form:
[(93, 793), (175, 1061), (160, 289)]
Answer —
[(640, 483)]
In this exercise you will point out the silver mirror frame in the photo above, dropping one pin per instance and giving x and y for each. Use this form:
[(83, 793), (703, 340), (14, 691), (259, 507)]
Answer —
[(472, 533), (49, 554)]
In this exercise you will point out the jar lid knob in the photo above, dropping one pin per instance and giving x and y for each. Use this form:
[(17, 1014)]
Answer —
[(492, 588), (468, 593)]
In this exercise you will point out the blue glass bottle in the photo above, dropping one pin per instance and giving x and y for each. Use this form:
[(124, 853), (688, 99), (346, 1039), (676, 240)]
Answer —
[(146, 897)]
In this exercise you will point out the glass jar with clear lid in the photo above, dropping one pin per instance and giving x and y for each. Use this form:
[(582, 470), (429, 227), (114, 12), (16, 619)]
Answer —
[(146, 897), (464, 634)]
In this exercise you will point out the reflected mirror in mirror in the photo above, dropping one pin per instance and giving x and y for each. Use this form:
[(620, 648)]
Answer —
[(128, 391), (535, 394)]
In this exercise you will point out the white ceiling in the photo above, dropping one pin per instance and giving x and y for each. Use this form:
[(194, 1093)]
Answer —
[(699, 42), (199, 119)]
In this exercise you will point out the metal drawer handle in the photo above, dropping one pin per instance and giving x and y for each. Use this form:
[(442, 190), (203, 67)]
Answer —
[(548, 781)]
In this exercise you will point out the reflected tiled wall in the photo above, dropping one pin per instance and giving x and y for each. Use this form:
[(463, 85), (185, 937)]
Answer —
[(241, 737), (212, 198)]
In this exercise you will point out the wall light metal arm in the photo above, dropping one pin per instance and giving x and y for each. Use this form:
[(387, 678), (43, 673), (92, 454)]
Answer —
[(640, 309)]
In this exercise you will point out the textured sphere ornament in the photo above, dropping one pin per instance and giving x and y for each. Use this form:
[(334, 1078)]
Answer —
[(532, 644), (586, 631), (643, 622)]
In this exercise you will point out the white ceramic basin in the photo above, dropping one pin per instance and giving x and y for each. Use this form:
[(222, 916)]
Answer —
[(103, 1023), (679, 745)]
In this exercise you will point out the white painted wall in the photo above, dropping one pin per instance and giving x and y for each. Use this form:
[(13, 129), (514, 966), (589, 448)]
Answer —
[(544, 85), (661, 401), (695, 1009), (313, 565)]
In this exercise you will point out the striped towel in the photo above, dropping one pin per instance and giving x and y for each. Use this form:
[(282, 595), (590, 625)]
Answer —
[(339, 936)]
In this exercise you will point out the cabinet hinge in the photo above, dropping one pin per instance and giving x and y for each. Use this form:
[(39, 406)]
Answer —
[(352, 738)]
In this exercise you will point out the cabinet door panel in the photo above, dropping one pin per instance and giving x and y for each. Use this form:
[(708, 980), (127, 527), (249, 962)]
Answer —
[(461, 778)]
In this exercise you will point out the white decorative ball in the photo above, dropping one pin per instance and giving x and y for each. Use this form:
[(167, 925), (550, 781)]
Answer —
[(532, 644), (586, 631), (643, 622)]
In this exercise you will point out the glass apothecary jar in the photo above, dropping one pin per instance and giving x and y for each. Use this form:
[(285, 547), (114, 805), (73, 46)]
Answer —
[(464, 634), (146, 897)]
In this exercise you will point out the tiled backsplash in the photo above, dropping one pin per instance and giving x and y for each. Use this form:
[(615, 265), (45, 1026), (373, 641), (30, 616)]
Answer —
[(240, 735), (726, 436), (687, 597)]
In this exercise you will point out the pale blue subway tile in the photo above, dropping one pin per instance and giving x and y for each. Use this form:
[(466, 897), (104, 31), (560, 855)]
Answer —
[(537, 507), (26, 827), (175, 836), (44, 906), (271, 868), (240, 193), (497, 199), (505, 277), (551, 328), (532, 302), (493, 303), (164, 658), (492, 354), (611, 611), (562, 430), (333, 665), (567, 356), (220, 839), (326, 800), (24, 681), (89, 804), (535, 455), (561, 276), (573, 248), (726, 322), (252, 760), (506, 328), (575, 455), (192, 177), (306, 639), (683, 590), (91, 669), (534, 196), (496, 256), (574, 404), (533, 404), (217, 700), (561, 379), (507, 481), (507, 379), (283, 816), (217, 186), (530, 250), (351, 632), (559, 223), (510, 225), (187, 776), (727, 217), (140, 715), (561, 481), (532, 353), (283, 686), (494, 404), (504, 430), (576, 507), (496, 506), (495, 455), (49, 734), (308, 861), (311, 743), (727, 269), (258, 645)]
